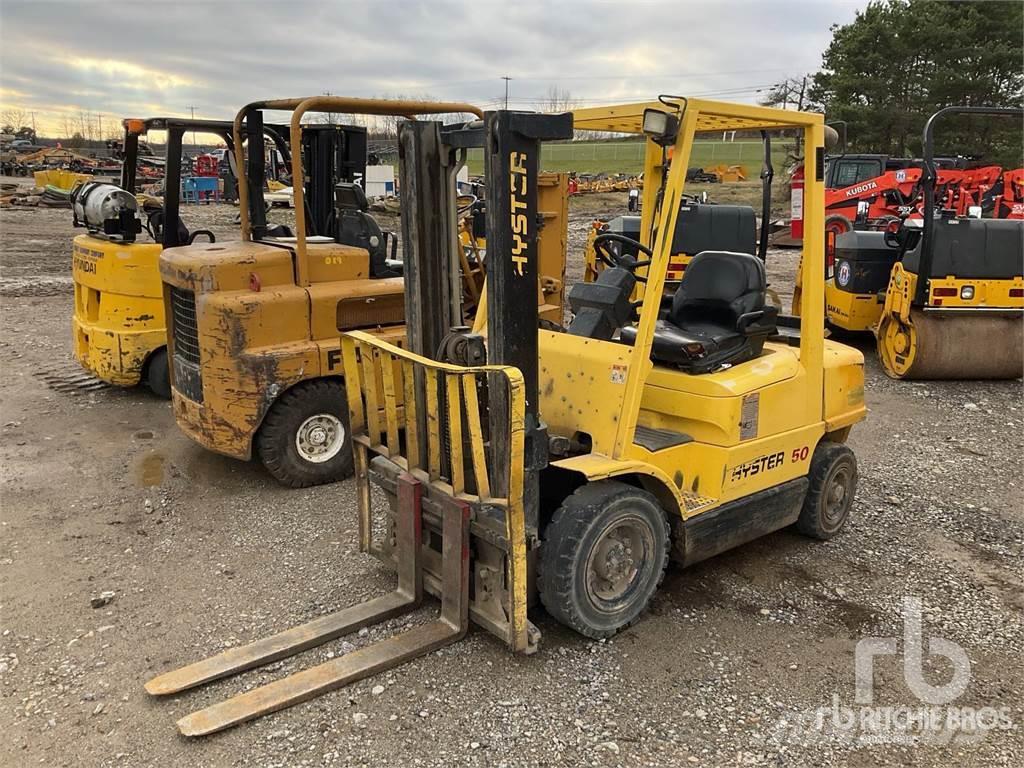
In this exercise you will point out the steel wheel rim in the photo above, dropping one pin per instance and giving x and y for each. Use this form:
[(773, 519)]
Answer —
[(616, 563), (320, 438), (836, 496)]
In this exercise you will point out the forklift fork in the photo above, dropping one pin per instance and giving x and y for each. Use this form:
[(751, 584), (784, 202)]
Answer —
[(451, 625)]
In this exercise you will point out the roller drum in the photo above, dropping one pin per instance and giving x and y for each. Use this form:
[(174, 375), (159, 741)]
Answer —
[(953, 345)]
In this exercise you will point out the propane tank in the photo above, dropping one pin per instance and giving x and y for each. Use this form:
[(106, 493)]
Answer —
[(106, 209)]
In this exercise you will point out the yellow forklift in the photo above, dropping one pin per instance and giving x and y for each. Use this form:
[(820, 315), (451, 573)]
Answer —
[(118, 323), (254, 325), (560, 467), (119, 329)]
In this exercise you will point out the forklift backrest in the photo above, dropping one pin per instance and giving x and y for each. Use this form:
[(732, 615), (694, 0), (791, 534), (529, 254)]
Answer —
[(715, 228)]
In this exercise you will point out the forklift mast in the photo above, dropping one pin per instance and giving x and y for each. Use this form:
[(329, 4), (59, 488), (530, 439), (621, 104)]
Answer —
[(334, 154), (511, 167)]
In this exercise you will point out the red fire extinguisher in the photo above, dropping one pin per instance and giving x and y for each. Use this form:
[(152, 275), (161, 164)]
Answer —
[(796, 203)]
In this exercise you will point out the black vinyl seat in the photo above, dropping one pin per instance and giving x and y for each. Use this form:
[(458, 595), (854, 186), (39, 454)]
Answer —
[(718, 316)]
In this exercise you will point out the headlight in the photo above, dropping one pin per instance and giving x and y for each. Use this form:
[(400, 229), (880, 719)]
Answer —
[(967, 292)]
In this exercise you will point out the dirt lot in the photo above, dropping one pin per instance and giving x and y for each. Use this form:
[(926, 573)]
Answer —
[(101, 492)]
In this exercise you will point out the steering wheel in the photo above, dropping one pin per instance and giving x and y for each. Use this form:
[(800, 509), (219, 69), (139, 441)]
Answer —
[(611, 258)]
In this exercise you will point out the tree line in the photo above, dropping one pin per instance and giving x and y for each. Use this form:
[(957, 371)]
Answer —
[(900, 61)]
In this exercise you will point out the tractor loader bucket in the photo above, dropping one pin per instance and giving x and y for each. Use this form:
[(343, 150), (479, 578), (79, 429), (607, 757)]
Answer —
[(451, 625)]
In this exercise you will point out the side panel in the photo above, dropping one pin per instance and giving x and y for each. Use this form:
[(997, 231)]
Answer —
[(582, 385), (731, 525), (851, 311)]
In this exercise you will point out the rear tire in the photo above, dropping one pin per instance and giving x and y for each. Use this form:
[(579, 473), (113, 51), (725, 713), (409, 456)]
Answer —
[(305, 439), (833, 484), (603, 557), (158, 375)]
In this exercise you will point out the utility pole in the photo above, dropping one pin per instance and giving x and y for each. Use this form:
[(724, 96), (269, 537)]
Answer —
[(506, 78), (33, 127), (331, 116), (193, 111)]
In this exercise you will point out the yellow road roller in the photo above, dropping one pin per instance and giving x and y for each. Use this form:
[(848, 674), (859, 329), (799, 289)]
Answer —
[(963, 320), (562, 467), (954, 305)]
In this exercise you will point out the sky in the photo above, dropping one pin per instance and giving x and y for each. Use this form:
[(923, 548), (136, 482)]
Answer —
[(183, 57)]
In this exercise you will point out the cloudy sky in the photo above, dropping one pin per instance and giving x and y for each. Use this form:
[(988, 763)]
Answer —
[(137, 58)]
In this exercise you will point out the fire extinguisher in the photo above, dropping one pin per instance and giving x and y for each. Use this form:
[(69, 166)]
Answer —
[(796, 203)]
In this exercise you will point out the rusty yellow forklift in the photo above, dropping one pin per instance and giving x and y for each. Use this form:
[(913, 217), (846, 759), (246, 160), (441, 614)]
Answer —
[(530, 467), (254, 325), (119, 325)]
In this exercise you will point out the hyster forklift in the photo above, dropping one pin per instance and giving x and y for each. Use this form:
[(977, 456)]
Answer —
[(254, 325), (560, 467), (119, 328)]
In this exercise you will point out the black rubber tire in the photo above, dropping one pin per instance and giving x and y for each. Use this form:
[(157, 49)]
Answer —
[(275, 441), (829, 460), (158, 374), (575, 529)]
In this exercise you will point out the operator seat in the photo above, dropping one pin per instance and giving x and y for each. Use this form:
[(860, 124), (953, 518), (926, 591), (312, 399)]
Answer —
[(718, 315)]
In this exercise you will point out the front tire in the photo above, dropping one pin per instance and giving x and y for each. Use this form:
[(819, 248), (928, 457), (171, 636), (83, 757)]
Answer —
[(158, 375), (603, 557), (833, 484), (305, 439)]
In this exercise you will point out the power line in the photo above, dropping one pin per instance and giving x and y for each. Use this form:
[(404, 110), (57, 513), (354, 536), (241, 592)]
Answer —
[(750, 89), (555, 78)]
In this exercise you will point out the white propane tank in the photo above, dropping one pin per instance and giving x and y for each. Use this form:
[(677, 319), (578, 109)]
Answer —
[(97, 202)]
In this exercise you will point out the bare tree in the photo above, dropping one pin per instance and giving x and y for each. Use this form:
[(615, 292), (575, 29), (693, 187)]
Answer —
[(790, 92), (15, 117)]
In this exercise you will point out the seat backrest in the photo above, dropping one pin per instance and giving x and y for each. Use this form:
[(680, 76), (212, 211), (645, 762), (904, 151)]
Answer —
[(719, 287), (707, 227)]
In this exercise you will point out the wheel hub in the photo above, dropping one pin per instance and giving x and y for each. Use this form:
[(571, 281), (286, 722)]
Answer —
[(614, 564), (616, 561), (835, 495), (320, 438)]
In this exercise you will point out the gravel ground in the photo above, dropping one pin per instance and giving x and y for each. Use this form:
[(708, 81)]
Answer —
[(101, 493)]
